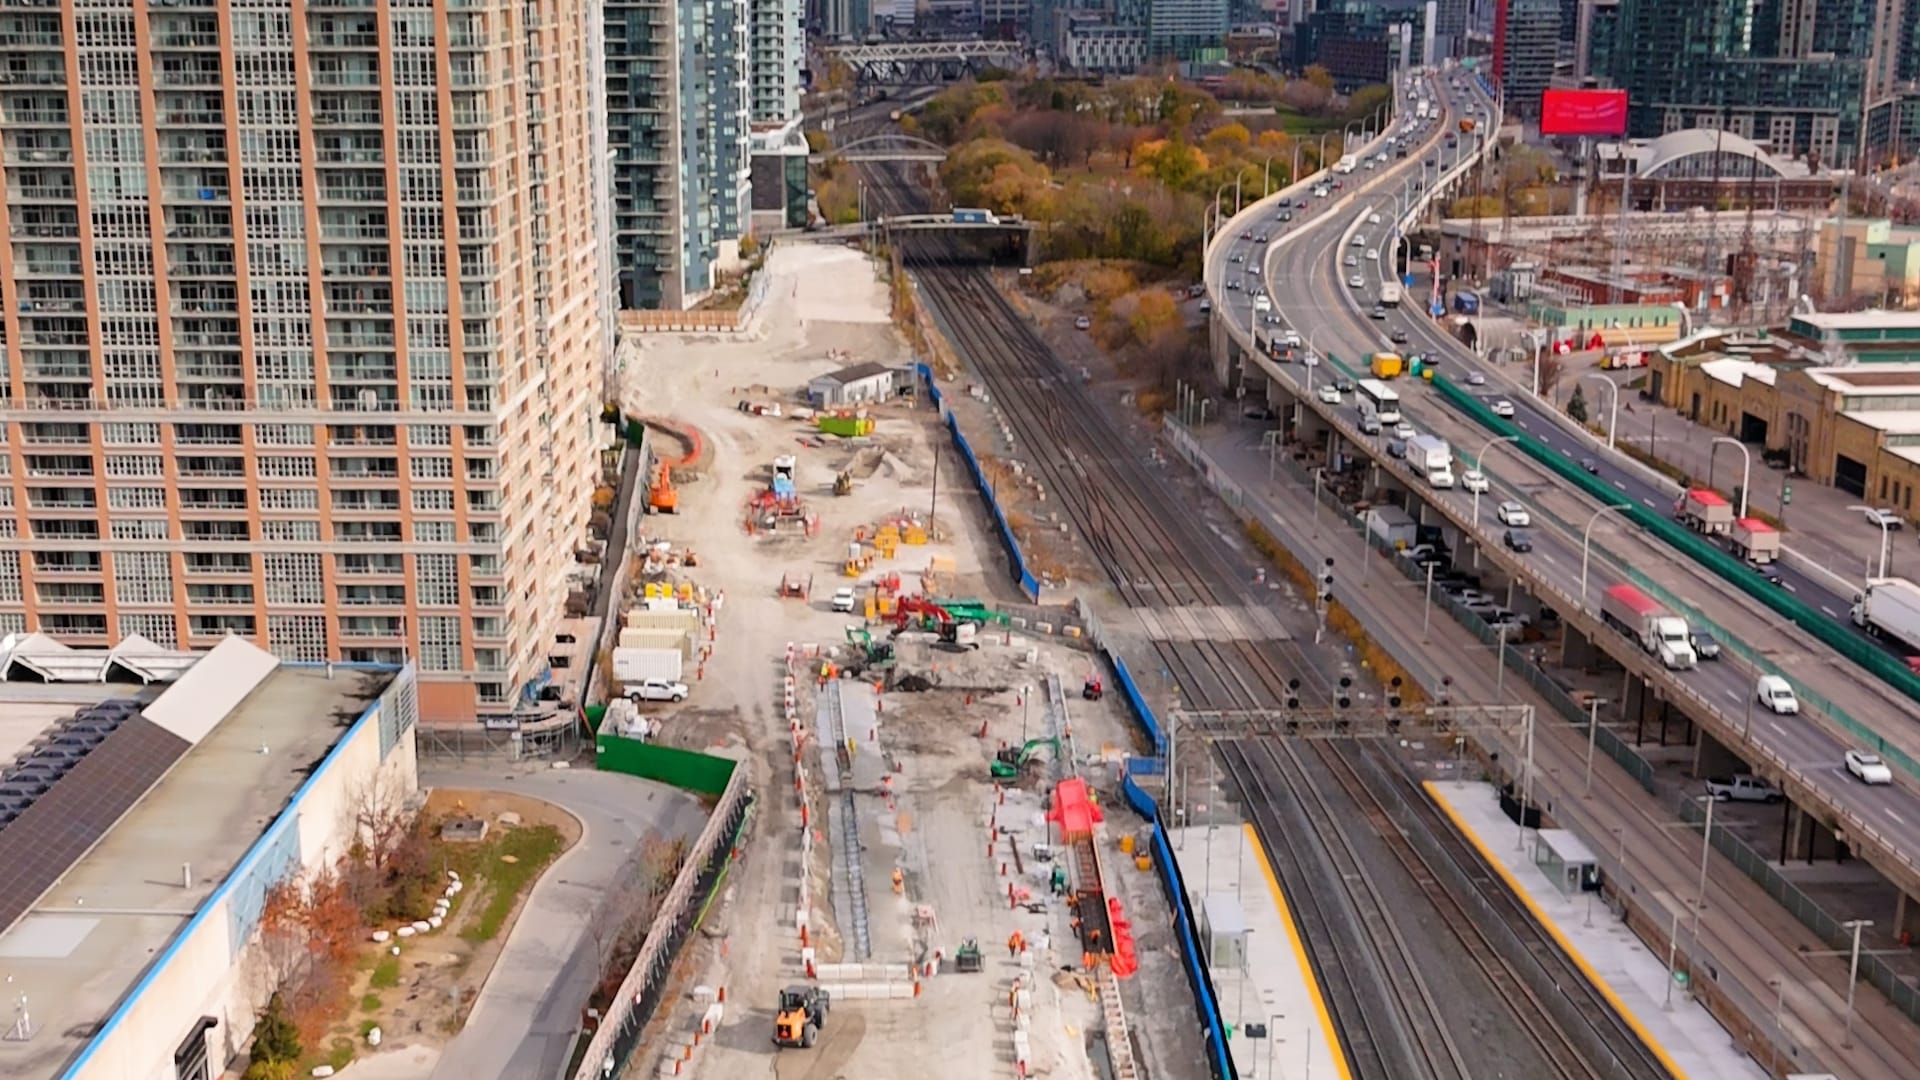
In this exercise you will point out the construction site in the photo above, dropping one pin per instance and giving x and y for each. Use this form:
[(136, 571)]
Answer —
[(936, 758)]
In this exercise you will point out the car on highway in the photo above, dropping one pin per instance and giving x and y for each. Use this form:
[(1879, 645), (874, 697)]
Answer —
[(1503, 409), (1397, 336), (1356, 282), (1591, 465), (1886, 518), (1404, 430), (1868, 768), (1236, 257), (1767, 571), (1359, 241), (1284, 216), (1247, 235), (1329, 394), (1475, 378), (1262, 302), (1378, 314), (1353, 260), (1397, 448), (1253, 269), (1291, 339), (1475, 482), (1345, 385), (1514, 515), (1084, 323), (1373, 253), (1519, 540), (1272, 318), (1260, 238), (1776, 695), (1432, 162), (1373, 219), (1705, 645), (1369, 425), (1233, 284)]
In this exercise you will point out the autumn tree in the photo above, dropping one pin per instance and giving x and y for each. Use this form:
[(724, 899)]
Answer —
[(1550, 370)]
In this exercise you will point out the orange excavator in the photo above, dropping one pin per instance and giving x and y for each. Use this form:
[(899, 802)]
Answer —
[(918, 611), (662, 496)]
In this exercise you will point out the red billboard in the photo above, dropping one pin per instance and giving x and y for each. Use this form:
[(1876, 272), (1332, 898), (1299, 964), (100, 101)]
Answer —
[(1583, 112)]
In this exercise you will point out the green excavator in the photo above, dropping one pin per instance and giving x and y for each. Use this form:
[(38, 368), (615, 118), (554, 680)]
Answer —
[(1009, 763)]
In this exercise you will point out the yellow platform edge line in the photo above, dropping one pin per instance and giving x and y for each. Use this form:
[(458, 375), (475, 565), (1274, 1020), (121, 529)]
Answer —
[(1327, 1031), (1560, 939)]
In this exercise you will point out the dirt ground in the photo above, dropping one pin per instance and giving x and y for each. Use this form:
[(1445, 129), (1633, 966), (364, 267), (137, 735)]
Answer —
[(827, 310), (441, 973)]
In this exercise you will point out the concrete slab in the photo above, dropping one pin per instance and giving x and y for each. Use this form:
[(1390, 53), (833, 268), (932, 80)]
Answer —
[(1276, 987), (1683, 1031)]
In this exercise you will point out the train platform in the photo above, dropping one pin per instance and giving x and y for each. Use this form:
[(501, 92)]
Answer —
[(1260, 967), (1682, 1032)]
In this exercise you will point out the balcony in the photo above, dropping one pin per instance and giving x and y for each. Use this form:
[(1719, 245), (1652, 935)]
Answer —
[(490, 629), (46, 152), (367, 532), (347, 118), (65, 563), (357, 40), (346, 75), (193, 152), (216, 532), (214, 468), (56, 434), (51, 192), (370, 566), (219, 563), (214, 595), (353, 193), (371, 627)]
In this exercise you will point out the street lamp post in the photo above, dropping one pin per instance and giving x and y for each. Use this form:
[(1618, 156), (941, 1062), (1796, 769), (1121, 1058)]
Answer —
[(1706, 852), (1295, 174), (1426, 614), (1593, 734), (1266, 175), (1500, 660), (1746, 466), (1613, 407), (1853, 975), (1886, 533), (1481, 460), (1318, 475), (1586, 546)]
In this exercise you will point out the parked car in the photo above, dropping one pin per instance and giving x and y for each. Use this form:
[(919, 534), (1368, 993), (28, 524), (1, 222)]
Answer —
[(1887, 518), (843, 600), (657, 690), (1743, 788), (1868, 768)]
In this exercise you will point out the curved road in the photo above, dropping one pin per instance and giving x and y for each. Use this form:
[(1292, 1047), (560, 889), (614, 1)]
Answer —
[(1307, 279)]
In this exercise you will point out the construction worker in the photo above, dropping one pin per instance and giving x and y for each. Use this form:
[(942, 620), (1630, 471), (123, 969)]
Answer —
[(1014, 942), (899, 882)]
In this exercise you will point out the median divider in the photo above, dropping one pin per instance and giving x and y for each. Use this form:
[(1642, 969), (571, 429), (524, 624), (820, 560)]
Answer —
[(1029, 584)]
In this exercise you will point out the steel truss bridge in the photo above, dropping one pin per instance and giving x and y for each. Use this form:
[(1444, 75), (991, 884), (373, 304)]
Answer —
[(926, 63), (889, 146)]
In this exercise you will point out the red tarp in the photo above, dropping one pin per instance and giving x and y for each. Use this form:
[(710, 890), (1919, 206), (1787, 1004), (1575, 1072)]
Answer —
[(1125, 960), (1073, 812)]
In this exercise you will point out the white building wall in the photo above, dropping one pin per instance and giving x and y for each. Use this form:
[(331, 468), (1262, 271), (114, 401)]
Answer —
[(207, 974)]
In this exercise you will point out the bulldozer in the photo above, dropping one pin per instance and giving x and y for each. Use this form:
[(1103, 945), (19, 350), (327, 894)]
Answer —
[(966, 959), (803, 1012)]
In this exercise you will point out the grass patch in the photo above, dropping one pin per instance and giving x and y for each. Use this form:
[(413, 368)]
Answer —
[(370, 1003), (386, 975), (508, 866), (1294, 123), (367, 1026), (340, 1053)]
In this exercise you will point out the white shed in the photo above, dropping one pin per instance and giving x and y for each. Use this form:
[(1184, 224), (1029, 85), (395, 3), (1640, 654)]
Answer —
[(1223, 932), (854, 385)]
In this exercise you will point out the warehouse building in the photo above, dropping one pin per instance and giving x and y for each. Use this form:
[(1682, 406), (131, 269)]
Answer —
[(136, 877), (860, 384)]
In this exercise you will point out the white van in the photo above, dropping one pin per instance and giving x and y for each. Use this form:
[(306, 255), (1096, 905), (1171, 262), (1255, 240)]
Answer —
[(1773, 692)]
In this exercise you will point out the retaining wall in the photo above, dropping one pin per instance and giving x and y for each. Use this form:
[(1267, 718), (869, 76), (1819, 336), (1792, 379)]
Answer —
[(1029, 584)]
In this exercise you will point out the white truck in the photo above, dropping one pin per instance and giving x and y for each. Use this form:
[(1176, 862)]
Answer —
[(1431, 457), (1754, 540), (1657, 630), (631, 667), (1742, 787), (1390, 294), (1347, 164), (1393, 526), (1890, 607), (1704, 511)]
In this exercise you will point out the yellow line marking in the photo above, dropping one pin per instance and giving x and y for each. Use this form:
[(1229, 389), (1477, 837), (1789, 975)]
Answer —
[(1327, 1031), (1559, 938)]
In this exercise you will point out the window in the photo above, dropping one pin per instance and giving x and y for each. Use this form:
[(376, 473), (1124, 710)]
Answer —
[(299, 638), (439, 643), (294, 532), (425, 532), (427, 500), (436, 579), (289, 499), (158, 627), (136, 498), (142, 577), (140, 529), (293, 577), (432, 468)]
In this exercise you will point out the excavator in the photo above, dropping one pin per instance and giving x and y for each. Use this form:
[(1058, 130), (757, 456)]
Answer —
[(803, 1012), (1009, 763), (662, 496), (918, 612)]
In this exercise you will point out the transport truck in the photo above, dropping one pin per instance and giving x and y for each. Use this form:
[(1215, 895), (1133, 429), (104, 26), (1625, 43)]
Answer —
[(1386, 365), (1754, 540), (1657, 630), (1390, 294), (1347, 164), (1393, 526), (632, 667), (962, 216), (1704, 511), (1890, 607), (1431, 457)]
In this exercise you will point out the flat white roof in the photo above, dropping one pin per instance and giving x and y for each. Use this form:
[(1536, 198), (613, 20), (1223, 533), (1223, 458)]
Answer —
[(1890, 422), (1883, 380), (1734, 371), (1570, 848), (1861, 320)]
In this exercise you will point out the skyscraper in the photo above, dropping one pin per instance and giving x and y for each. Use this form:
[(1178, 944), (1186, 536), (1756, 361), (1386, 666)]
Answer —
[(303, 330), (1526, 45)]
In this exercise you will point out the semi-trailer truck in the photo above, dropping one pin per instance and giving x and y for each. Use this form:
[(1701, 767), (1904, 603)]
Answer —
[(1390, 294), (1890, 607), (1431, 457), (1754, 540), (1657, 630), (1704, 510), (1393, 525)]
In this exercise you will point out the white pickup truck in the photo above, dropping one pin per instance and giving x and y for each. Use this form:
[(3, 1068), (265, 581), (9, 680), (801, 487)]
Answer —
[(1743, 788)]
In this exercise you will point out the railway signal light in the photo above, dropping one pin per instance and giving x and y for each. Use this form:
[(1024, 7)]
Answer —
[(1393, 692), (1346, 683)]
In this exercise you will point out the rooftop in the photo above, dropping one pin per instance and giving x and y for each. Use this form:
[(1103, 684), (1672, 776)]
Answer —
[(252, 731), (1888, 421), (855, 373), (1859, 320), (1883, 380), (1735, 371)]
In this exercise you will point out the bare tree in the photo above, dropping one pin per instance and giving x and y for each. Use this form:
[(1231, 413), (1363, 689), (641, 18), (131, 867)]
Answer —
[(381, 819)]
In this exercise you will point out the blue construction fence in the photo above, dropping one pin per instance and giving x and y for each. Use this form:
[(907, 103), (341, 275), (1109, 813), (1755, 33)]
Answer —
[(1029, 584), (1219, 1057)]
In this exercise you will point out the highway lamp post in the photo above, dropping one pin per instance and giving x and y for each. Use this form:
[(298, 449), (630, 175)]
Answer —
[(1295, 173), (1746, 466), (1706, 853), (1323, 149), (1318, 476), (1853, 976), (1526, 775), (1499, 660), (1586, 546), (1271, 441), (1593, 735), (1778, 984), (1886, 532), (1426, 613), (1480, 460), (1613, 402), (1673, 960), (1266, 175)]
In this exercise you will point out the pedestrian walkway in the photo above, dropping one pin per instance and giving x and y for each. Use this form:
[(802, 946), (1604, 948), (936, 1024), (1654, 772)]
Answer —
[(1686, 1037), (1271, 984)]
